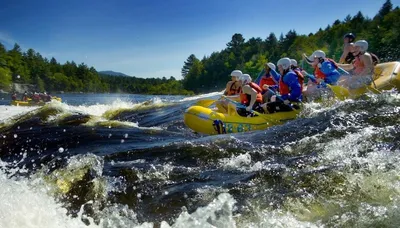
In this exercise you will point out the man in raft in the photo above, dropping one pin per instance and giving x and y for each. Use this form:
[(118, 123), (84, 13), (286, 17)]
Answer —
[(290, 88), (325, 72), (362, 68)]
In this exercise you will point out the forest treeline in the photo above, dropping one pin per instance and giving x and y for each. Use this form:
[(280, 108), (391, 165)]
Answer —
[(211, 72), (382, 32), (31, 67)]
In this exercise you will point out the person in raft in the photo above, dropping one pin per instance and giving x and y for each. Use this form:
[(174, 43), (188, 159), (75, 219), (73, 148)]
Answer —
[(233, 86), (362, 68), (250, 96), (348, 48), (325, 72), (232, 90), (290, 89), (269, 81)]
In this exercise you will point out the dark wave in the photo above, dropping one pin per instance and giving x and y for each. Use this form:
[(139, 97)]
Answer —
[(149, 161)]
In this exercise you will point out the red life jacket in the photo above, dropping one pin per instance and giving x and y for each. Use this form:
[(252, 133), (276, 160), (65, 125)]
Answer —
[(245, 98), (318, 73), (267, 81), (284, 88)]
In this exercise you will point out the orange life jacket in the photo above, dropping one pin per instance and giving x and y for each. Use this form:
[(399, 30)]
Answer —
[(245, 98), (284, 88), (233, 90), (318, 73)]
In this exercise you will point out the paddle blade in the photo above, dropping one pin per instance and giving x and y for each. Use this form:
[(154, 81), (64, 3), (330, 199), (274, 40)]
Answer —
[(340, 92), (206, 102)]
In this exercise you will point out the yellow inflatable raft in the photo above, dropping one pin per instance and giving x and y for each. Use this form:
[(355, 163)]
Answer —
[(30, 102), (386, 77), (205, 120)]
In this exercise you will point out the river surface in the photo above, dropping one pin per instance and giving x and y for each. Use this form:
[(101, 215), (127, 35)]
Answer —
[(117, 160)]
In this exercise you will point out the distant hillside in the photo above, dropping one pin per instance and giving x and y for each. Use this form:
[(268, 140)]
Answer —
[(112, 73)]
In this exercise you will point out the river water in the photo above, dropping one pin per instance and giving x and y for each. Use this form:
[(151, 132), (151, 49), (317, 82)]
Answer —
[(115, 160)]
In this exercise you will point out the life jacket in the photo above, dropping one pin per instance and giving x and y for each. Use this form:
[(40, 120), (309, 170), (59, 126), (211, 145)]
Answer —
[(319, 74), (349, 58), (233, 90), (245, 98), (284, 88), (267, 81)]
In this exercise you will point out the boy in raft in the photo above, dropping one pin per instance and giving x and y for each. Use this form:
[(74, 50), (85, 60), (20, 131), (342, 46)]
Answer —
[(290, 88), (269, 81), (325, 72), (233, 88), (250, 96), (361, 69), (348, 48)]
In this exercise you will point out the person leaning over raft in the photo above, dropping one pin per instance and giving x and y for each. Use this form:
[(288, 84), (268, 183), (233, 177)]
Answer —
[(361, 70), (325, 72), (325, 69), (250, 95), (290, 88)]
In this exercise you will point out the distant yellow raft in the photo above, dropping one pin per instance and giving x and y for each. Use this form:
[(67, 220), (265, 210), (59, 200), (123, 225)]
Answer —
[(207, 121), (32, 103), (386, 77)]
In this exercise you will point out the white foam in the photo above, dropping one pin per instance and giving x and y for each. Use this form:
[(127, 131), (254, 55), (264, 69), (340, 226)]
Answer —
[(23, 206), (202, 96), (100, 109), (7, 112), (217, 214)]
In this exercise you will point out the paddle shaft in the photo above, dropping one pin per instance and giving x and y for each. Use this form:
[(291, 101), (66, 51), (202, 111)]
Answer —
[(240, 105)]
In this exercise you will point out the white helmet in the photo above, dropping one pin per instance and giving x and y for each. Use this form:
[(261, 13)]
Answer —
[(363, 44), (293, 62), (317, 54), (271, 65), (236, 73), (285, 63), (245, 78)]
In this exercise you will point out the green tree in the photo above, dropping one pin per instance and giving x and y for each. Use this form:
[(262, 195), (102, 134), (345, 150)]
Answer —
[(5, 79), (188, 64), (385, 9)]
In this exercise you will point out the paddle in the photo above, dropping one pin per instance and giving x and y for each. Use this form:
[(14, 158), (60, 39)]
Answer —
[(206, 102), (240, 105)]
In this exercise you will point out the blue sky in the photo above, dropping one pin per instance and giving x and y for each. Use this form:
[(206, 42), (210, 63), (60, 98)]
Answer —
[(154, 38)]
